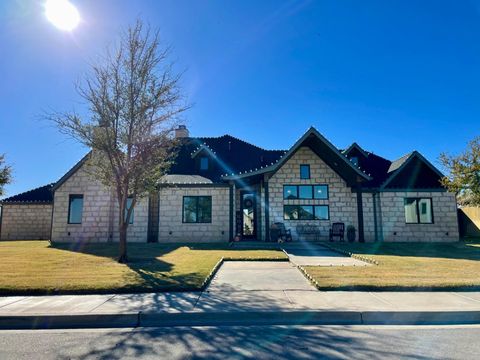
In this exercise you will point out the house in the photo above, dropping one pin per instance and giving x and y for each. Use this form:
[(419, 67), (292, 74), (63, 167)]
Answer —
[(223, 187)]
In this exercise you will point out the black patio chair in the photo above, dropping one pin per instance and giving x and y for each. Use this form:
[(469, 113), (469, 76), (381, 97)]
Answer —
[(278, 232), (337, 231)]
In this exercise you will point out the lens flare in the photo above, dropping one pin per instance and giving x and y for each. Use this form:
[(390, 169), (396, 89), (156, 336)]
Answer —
[(63, 14)]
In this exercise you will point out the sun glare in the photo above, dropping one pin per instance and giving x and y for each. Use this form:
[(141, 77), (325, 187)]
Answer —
[(62, 13)]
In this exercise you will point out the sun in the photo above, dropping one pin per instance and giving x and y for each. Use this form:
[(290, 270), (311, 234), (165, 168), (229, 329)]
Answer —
[(62, 13)]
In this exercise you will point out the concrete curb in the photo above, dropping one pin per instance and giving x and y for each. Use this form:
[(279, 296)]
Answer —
[(307, 317), (69, 321)]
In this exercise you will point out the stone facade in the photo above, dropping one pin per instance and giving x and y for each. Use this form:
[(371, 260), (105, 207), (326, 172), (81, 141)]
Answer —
[(342, 201), (173, 229), (26, 221), (394, 228), (100, 212)]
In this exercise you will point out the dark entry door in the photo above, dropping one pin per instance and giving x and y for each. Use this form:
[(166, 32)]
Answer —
[(249, 214)]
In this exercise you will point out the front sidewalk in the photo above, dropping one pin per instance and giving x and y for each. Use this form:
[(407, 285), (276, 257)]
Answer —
[(242, 293)]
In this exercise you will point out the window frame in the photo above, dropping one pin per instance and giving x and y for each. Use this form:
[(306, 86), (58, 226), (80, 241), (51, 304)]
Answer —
[(328, 192), (313, 191), (417, 208), (307, 166), (70, 198), (328, 212), (313, 208), (196, 209)]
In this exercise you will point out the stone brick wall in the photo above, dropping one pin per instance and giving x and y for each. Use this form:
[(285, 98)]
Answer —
[(171, 227), (26, 221), (342, 202), (444, 228), (100, 213)]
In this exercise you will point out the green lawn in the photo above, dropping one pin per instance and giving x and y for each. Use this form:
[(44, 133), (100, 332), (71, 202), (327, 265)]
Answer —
[(34, 267), (405, 266)]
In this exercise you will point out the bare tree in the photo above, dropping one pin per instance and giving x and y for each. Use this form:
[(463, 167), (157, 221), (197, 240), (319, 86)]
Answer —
[(5, 174), (134, 102)]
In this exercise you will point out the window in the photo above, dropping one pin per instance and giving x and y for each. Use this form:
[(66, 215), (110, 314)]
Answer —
[(321, 212), (305, 192), (418, 211), (304, 171), (354, 160), (320, 192), (290, 192), (204, 163), (129, 205), (75, 209), (197, 209), (305, 212)]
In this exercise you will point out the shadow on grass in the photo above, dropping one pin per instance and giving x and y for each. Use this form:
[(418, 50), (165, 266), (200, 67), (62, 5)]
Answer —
[(454, 250), (148, 263)]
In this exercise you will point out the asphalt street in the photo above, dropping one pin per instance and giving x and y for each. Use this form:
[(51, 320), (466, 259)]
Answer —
[(259, 342)]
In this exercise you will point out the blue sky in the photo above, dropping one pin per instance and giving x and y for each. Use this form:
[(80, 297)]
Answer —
[(392, 75)]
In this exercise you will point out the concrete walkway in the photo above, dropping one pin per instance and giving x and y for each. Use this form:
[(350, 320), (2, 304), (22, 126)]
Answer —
[(312, 254)]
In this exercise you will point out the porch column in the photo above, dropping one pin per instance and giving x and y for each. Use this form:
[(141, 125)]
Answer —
[(232, 208), (361, 235), (267, 210)]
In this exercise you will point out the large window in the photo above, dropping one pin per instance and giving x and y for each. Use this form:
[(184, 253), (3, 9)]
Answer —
[(291, 192), (197, 209), (305, 191), (305, 212), (75, 209), (418, 211), (304, 171), (320, 192)]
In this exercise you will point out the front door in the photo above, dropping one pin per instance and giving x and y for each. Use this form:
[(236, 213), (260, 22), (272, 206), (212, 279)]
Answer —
[(249, 213)]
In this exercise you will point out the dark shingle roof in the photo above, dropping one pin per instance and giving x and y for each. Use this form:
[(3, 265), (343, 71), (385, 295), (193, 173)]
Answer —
[(231, 155), (41, 195)]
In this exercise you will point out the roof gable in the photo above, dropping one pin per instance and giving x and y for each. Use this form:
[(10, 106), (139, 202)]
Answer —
[(413, 171), (70, 172), (324, 150), (355, 150)]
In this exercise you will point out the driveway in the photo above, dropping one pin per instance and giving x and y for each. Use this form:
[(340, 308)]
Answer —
[(311, 254)]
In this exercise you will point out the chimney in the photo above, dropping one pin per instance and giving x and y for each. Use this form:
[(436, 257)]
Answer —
[(181, 132)]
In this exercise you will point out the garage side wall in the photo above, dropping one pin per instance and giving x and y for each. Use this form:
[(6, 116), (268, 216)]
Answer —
[(26, 221), (444, 227)]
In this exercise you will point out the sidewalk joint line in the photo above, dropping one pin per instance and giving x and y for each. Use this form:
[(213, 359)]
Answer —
[(103, 303), (13, 302), (465, 296), (382, 300)]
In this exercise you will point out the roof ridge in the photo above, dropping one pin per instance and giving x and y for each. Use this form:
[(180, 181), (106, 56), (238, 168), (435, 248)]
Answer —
[(238, 139)]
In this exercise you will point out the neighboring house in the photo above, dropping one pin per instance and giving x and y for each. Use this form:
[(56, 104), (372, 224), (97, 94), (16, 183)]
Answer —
[(221, 187)]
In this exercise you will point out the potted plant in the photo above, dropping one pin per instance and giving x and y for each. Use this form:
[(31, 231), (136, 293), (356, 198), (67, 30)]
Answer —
[(351, 233)]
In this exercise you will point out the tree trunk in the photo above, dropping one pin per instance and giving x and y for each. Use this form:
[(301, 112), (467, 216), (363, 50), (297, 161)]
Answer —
[(123, 259)]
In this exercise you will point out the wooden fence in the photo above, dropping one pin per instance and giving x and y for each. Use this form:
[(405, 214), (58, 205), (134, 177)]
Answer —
[(469, 221)]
